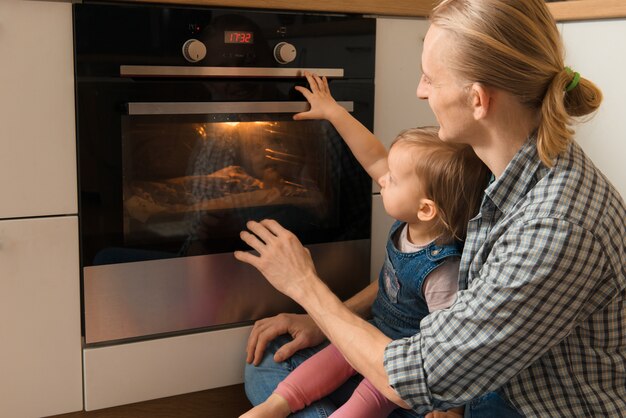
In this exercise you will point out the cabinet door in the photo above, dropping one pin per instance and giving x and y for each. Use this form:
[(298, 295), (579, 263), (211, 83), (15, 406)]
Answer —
[(37, 143), (40, 360)]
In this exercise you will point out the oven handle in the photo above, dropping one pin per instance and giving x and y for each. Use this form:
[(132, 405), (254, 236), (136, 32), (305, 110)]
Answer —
[(203, 108), (173, 71)]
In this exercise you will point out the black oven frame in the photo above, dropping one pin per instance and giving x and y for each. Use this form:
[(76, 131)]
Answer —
[(128, 55)]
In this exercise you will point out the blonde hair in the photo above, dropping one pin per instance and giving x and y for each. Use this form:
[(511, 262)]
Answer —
[(451, 175), (515, 46)]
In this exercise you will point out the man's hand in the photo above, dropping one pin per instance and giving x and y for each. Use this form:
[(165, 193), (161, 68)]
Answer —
[(282, 259), (303, 330)]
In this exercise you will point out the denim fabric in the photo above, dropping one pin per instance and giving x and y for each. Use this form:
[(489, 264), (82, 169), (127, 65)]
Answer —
[(491, 405), (400, 305)]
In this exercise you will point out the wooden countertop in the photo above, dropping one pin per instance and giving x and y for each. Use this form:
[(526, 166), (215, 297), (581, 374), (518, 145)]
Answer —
[(562, 10)]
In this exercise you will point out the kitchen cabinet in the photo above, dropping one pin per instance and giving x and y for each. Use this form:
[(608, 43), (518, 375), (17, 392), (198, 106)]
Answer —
[(39, 317), (40, 356), (37, 144)]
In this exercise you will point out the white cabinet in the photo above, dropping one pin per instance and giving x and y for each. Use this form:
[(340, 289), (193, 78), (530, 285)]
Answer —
[(596, 50), (40, 355), (37, 140), (40, 352)]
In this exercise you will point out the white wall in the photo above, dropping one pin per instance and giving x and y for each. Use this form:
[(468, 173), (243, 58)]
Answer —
[(596, 50), (399, 44)]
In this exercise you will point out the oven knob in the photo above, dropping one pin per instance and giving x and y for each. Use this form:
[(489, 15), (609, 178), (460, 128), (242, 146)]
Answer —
[(284, 52), (194, 50)]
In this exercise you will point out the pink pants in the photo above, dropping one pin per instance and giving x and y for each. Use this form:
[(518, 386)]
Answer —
[(322, 374)]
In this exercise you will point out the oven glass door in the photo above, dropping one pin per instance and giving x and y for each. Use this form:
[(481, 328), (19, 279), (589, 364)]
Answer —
[(194, 173), (167, 179)]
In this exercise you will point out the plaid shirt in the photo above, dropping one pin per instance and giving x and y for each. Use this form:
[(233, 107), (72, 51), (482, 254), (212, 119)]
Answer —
[(543, 316)]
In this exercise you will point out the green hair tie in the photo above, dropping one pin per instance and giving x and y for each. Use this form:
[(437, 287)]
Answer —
[(572, 84)]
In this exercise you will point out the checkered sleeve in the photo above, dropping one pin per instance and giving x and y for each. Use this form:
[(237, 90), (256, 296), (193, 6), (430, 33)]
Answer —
[(532, 285)]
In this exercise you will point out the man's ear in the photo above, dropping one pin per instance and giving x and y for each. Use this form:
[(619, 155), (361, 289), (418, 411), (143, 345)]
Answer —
[(481, 98), (427, 210)]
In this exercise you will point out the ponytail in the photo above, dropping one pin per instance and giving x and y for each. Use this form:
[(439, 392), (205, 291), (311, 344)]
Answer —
[(567, 97)]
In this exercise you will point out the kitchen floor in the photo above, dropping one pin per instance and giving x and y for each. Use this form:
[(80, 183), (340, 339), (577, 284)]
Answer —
[(226, 402)]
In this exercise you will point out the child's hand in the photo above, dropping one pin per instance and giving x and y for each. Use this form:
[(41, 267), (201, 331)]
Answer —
[(323, 106)]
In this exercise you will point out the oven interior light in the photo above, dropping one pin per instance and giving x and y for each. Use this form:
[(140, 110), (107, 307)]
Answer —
[(201, 131), (231, 123)]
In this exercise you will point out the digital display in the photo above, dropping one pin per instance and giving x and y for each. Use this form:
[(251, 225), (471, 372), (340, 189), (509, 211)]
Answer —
[(238, 37)]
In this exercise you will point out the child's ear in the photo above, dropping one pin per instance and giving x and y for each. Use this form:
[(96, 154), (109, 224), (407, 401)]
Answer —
[(480, 100), (427, 210)]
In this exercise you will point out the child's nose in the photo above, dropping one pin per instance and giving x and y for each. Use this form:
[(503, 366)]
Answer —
[(382, 180)]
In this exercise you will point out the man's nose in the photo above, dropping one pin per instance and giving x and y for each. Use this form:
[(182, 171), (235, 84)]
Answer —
[(421, 91)]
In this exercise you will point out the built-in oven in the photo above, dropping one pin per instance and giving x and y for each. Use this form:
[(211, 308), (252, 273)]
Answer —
[(185, 132)]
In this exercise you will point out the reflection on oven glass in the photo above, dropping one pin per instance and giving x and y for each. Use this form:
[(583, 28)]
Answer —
[(200, 182)]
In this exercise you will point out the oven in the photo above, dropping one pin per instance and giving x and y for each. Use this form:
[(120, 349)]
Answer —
[(185, 132)]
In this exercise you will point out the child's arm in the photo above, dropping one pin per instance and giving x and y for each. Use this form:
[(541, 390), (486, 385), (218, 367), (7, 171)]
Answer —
[(367, 149)]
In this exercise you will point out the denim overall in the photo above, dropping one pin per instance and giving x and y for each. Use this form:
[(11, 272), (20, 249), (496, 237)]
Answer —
[(400, 304)]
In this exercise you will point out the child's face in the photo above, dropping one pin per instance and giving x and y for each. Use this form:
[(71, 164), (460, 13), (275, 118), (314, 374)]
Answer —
[(401, 189)]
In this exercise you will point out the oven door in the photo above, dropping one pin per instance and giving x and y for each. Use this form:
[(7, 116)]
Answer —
[(167, 185), (194, 173)]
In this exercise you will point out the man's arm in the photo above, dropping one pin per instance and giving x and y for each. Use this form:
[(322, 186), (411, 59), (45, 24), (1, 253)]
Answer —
[(288, 266)]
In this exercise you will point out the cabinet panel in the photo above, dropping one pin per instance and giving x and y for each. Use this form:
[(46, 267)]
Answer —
[(39, 317), (136, 372), (37, 144)]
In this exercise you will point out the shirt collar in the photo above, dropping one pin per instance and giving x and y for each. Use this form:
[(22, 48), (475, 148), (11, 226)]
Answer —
[(518, 178)]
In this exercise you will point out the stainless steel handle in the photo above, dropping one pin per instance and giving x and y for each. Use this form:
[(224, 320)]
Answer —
[(174, 71), (206, 108)]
